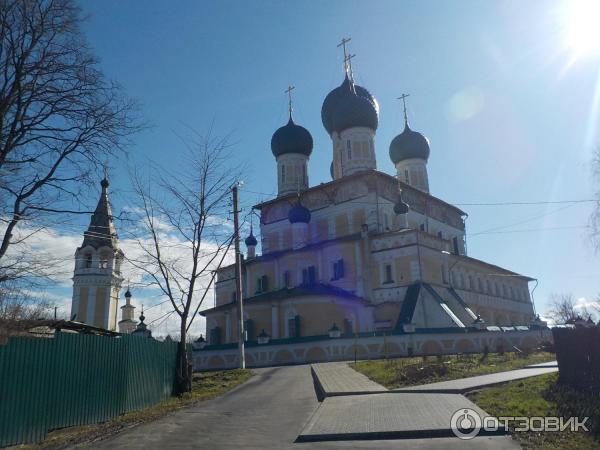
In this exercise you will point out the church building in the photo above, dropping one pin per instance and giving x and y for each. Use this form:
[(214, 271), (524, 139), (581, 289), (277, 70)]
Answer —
[(97, 277), (365, 252)]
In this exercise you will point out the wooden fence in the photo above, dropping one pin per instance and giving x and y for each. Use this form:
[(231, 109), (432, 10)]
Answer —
[(76, 379), (578, 356)]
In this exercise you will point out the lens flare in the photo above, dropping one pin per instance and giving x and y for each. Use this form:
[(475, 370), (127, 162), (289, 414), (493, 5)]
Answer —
[(582, 27)]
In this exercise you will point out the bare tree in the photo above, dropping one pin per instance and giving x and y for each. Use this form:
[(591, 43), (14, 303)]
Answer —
[(183, 232), (18, 304), (59, 119), (564, 308)]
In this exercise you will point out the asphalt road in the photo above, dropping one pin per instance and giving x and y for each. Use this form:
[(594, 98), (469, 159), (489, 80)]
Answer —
[(266, 412)]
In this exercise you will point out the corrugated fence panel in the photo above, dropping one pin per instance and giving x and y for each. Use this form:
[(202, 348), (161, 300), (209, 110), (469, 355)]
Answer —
[(77, 379)]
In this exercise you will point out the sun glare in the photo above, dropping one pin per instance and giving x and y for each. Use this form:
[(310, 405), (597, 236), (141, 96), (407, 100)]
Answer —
[(582, 27)]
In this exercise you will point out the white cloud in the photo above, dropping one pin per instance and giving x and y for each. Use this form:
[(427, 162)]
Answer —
[(60, 246)]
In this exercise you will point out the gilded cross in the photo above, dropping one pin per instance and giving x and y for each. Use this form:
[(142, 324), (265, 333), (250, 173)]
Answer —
[(288, 91), (343, 45), (403, 98)]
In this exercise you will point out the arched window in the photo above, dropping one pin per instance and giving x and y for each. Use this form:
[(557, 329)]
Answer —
[(282, 173), (88, 261), (103, 264)]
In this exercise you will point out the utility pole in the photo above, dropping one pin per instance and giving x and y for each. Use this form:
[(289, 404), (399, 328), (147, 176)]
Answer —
[(238, 276)]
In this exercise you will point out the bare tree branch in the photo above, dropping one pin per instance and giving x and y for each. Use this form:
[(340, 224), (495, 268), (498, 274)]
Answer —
[(180, 249), (59, 119)]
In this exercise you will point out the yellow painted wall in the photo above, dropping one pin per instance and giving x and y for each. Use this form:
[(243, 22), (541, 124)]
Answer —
[(322, 229), (287, 239), (316, 319), (403, 269), (341, 225), (358, 219), (99, 307), (83, 303), (261, 319), (387, 311)]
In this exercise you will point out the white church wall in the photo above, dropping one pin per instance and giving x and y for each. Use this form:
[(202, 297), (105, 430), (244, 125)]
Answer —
[(372, 347)]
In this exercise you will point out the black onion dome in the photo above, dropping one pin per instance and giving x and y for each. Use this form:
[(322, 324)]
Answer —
[(299, 214), (291, 138), (349, 105), (401, 207), (251, 241), (409, 144)]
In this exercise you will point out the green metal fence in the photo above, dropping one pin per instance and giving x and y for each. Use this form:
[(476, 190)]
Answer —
[(77, 379)]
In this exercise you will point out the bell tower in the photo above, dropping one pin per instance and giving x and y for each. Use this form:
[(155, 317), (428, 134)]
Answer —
[(97, 277)]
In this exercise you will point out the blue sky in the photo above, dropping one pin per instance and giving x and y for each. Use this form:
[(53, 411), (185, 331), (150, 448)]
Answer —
[(508, 113)]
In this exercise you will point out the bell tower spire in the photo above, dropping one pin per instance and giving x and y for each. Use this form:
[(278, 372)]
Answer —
[(97, 277)]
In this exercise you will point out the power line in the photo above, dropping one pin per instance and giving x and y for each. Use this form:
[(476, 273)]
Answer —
[(543, 202), (530, 230)]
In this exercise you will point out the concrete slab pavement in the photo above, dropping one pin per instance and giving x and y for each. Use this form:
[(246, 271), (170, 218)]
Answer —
[(545, 364), (386, 416), (337, 378), (471, 383)]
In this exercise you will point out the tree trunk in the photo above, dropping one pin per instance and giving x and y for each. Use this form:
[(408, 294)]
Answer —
[(184, 368)]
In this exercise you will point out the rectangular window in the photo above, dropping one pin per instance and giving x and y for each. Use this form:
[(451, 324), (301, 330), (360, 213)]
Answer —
[(488, 286), (262, 284), (233, 297), (88, 261), (282, 173), (294, 327), (388, 274), (471, 282), (479, 285), (440, 235), (312, 275), (422, 227), (349, 154), (338, 269), (309, 276), (286, 279), (406, 177), (455, 245)]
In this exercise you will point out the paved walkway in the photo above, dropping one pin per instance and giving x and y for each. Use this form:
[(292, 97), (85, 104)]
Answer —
[(468, 384), (337, 378), (545, 364), (267, 412), (386, 416)]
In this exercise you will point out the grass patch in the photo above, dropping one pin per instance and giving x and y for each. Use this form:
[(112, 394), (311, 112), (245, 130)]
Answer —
[(205, 385), (402, 372), (544, 396)]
